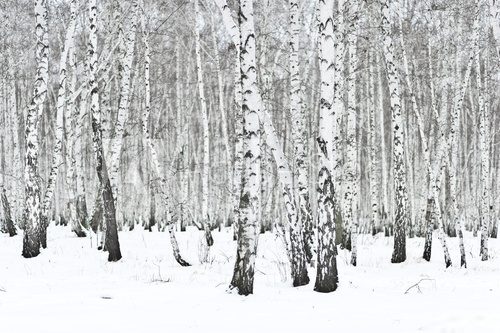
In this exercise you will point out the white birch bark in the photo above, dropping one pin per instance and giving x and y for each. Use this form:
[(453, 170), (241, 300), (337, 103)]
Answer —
[(399, 168), (284, 173), (327, 276), (123, 106), (31, 240), (303, 230), (383, 151), (238, 140), (112, 244), (70, 123), (350, 167), (205, 174), (248, 224), (484, 145), (339, 30), (373, 142)]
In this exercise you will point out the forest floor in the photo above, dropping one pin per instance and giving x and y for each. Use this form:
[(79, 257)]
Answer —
[(71, 287)]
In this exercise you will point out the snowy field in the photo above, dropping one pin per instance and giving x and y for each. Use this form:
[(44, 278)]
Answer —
[(71, 288)]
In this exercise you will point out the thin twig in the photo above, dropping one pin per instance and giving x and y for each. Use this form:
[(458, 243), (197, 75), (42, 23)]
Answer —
[(417, 285)]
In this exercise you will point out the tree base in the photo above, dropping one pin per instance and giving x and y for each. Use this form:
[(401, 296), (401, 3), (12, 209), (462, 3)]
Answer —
[(31, 247), (80, 233), (301, 280), (398, 258)]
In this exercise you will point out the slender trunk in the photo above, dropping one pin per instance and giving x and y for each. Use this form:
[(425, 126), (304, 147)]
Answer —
[(453, 144), (383, 160), (206, 135), (350, 168), (112, 243), (399, 167), (123, 106), (70, 123), (11, 229), (32, 225), (327, 276), (484, 145), (244, 267), (374, 162), (304, 224), (339, 111), (238, 141)]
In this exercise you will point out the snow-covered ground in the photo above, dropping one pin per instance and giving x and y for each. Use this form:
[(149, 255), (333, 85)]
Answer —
[(71, 288)]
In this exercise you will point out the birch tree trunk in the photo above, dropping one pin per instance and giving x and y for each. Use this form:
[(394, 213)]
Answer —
[(238, 141), (339, 111), (399, 167), (32, 225), (374, 162), (206, 133), (9, 223), (454, 142), (248, 224), (123, 106), (350, 168), (111, 243), (81, 113), (327, 276), (70, 123), (484, 145), (299, 134)]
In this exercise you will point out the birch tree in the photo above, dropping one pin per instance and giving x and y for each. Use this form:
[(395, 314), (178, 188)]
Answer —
[(123, 106), (9, 223), (374, 162), (327, 276), (350, 168), (244, 267), (398, 150), (111, 238), (70, 123), (206, 135), (454, 141), (298, 131), (484, 145), (32, 225)]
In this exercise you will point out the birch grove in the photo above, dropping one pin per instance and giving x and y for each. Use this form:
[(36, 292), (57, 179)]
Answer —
[(327, 124)]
